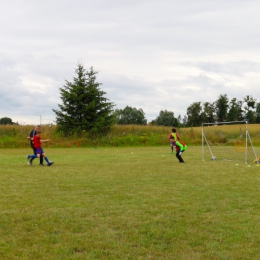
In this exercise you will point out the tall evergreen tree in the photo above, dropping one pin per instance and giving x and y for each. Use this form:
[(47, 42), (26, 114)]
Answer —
[(84, 106)]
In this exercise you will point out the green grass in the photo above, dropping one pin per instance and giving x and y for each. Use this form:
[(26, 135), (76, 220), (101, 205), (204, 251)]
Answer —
[(127, 203)]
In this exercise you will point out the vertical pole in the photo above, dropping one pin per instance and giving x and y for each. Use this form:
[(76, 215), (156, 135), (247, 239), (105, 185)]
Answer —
[(41, 117), (252, 147), (246, 144), (202, 143)]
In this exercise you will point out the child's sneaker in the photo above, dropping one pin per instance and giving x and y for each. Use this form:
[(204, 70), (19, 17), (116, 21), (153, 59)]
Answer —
[(50, 163), (29, 160)]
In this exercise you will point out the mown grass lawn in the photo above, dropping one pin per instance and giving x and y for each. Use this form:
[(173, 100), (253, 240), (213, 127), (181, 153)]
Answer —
[(128, 203)]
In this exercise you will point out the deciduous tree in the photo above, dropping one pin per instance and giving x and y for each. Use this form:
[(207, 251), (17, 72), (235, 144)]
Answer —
[(235, 112), (257, 113), (194, 114), (249, 107), (166, 118), (130, 115), (207, 116), (221, 107), (6, 121)]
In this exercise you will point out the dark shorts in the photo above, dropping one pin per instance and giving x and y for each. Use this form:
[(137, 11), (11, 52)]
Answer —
[(39, 151)]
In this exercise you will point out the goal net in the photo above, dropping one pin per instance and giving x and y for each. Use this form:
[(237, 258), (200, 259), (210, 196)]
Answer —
[(227, 141)]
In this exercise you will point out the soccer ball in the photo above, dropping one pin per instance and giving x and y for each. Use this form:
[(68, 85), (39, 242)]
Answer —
[(213, 158)]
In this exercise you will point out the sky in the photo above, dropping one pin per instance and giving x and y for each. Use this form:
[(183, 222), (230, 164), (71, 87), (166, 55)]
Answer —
[(149, 54)]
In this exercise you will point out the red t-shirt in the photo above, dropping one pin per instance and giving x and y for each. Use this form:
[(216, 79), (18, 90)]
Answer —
[(37, 141)]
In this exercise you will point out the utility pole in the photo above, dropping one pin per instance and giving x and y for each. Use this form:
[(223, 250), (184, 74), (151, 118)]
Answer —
[(41, 117)]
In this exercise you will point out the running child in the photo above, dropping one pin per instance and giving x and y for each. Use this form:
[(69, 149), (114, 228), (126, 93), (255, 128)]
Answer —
[(173, 136), (180, 149), (37, 143), (30, 137)]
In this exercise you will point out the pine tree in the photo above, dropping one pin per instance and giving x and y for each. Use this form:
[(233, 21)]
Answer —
[(84, 107)]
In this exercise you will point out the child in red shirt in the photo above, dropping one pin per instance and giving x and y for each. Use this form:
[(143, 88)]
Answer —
[(174, 137), (180, 148), (37, 143)]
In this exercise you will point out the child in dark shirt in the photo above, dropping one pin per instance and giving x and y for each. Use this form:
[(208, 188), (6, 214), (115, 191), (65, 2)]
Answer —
[(37, 143)]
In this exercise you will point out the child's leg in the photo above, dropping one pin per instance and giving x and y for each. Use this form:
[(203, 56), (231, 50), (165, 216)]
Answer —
[(179, 157), (35, 153), (47, 160), (32, 156), (41, 159), (172, 146)]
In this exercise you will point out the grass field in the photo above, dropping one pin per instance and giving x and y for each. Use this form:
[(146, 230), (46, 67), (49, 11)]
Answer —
[(128, 203)]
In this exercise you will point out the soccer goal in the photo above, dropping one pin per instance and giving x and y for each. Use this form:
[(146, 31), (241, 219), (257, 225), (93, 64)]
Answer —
[(227, 141)]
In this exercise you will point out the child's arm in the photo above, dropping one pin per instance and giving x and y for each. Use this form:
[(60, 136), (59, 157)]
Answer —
[(45, 141)]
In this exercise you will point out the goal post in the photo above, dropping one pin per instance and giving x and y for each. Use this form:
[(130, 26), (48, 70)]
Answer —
[(227, 141)]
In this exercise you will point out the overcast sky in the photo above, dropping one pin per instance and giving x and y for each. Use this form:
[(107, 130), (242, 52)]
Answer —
[(150, 54)]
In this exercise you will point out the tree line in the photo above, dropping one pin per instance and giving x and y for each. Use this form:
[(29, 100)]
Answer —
[(84, 108), (223, 110)]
